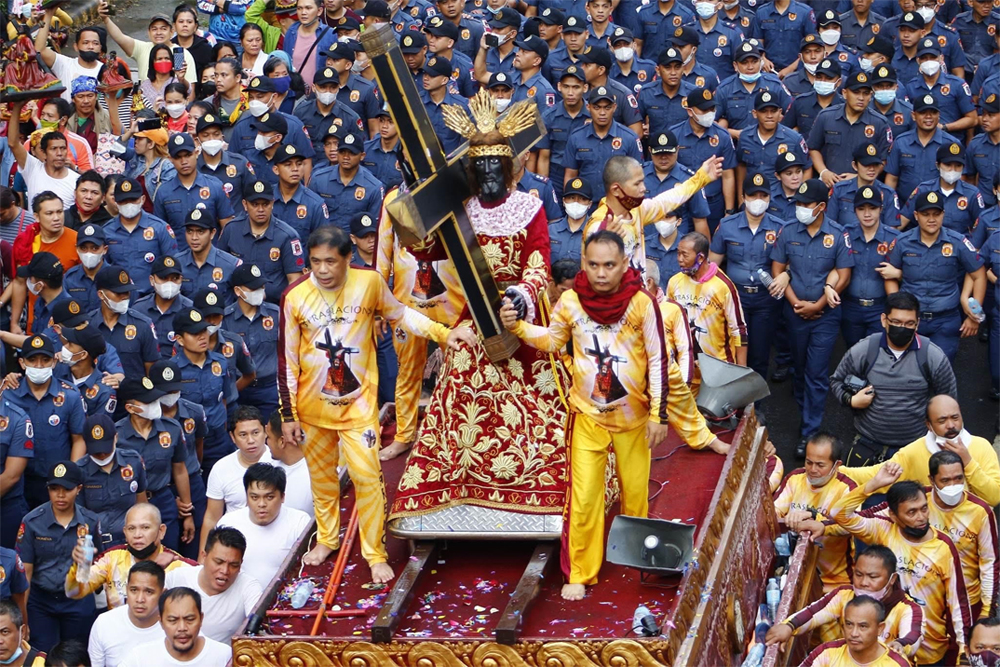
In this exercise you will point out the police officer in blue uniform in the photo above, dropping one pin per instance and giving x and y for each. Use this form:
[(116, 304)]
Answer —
[(240, 369), (298, 206), (70, 314), (14, 583), (161, 445), (687, 40), (962, 201), (435, 94), (661, 102), (44, 273), (790, 174), (531, 55), (256, 322), (871, 239), (348, 188), (82, 351), (663, 172), (654, 25), (165, 302), (202, 264), (811, 249), (981, 158), (506, 22), (718, 39), (232, 169), (868, 164), (807, 106), (913, 158), (438, 30), (566, 234), (991, 253), (190, 189), (541, 187), (629, 69), (973, 30), (934, 261), (735, 94), (888, 101), (45, 543), (203, 376), (989, 219), (79, 280), (272, 133), (112, 478), (811, 52), (780, 30), (744, 241), (762, 144), (560, 58), (828, 22), (842, 128), (661, 240), (910, 32), (596, 64), (56, 412), (851, 29), (952, 93), (262, 239), (561, 121), (130, 333), (324, 109), (357, 92), (244, 137), (17, 447), (135, 238), (382, 153)]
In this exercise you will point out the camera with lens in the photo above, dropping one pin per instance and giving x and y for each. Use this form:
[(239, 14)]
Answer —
[(853, 384), (492, 40)]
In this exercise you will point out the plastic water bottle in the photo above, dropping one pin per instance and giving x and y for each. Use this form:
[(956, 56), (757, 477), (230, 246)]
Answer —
[(643, 622), (302, 593), (83, 571), (976, 309), (782, 546), (764, 277), (773, 597), (756, 656)]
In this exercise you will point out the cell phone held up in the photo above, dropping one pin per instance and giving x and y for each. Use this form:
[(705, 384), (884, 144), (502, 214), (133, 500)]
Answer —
[(178, 57), (492, 40)]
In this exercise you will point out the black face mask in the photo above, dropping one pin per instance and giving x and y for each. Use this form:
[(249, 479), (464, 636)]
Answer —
[(89, 56), (489, 173), (900, 336), (145, 552), (204, 89), (915, 533)]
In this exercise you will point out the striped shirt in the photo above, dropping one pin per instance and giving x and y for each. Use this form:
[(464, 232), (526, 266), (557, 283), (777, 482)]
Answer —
[(713, 311)]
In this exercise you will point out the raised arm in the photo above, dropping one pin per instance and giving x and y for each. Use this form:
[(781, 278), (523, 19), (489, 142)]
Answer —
[(657, 208), (14, 139), (127, 43), (42, 39)]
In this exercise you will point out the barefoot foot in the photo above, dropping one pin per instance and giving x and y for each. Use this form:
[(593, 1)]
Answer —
[(317, 555), (382, 573), (573, 591), (394, 450), (719, 447)]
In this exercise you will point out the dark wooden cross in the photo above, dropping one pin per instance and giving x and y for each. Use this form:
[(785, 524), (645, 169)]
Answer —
[(436, 204)]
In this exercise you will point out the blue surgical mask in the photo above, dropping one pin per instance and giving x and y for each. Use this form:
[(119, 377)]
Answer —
[(885, 97), (749, 78), (824, 87), (17, 654)]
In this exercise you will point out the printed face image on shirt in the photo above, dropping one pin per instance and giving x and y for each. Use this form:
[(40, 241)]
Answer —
[(340, 379), (607, 387)]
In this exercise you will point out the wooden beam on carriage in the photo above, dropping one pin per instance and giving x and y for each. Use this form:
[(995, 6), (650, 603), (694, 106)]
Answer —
[(402, 593), (509, 628)]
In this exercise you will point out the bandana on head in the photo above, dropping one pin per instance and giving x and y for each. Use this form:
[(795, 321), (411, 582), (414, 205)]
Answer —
[(84, 84)]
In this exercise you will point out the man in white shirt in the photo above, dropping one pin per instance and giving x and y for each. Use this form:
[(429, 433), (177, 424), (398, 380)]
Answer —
[(269, 526), (227, 595), (116, 632), (88, 48), (54, 173), (225, 490), (160, 31), (298, 486), (181, 618)]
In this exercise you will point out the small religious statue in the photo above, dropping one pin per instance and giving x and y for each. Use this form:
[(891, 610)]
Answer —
[(110, 79), (25, 76)]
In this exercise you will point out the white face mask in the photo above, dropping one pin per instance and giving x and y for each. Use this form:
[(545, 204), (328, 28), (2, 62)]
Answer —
[(824, 87), (130, 210), (257, 108), (705, 119), (254, 297), (951, 495), (66, 357), (35, 286), (176, 110), (757, 206), (120, 307), (867, 65), (950, 176), (926, 13), (811, 67), (689, 58), (730, 5), (930, 67), (878, 595), (624, 54), (500, 104), (90, 260), (38, 375), (261, 143), (829, 37), (666, 227), (326, 98), (167, 290), (804, 215), (213, 146), (213, 329), (170, 400), (706, 10), (102, 462), (821, 481), (150, 410), (575, 210)]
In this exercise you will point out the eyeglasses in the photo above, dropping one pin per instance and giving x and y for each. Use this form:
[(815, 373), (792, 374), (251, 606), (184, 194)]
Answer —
[(905, 325)]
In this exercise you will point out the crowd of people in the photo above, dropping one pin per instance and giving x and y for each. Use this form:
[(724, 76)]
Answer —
[(728, 177)]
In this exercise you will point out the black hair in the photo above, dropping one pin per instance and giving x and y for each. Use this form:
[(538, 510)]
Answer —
[(8, 608), (7, 198), (92, 176), (274, 422), (826, 438), (331, 236), (68, 653), (991, 622), (565, 269), (227, 537), (867, 600), (604, 236), (151, 568), (102, 35), (882, 553), (63, 107), (900, 492), (247, 27), (246, 413), (181, 592), (699, 241), (265, 475), (49, 137), (41, 198), (151, 71), (204, 106), (942, 458), (221, 45), (185, 9), (295, 82), (901, 301), (177, 87)]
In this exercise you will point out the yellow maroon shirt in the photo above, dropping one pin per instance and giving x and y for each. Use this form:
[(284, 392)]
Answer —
[(713, 310), (327, 373), (677, 335), (836, 654), (111, 571), (972, 526)]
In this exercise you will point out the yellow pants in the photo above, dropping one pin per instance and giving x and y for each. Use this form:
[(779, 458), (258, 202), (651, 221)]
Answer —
[(360, 454), (412, 355), (588, 458)]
